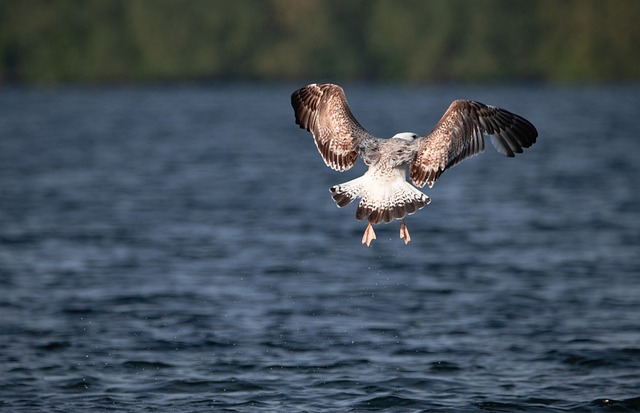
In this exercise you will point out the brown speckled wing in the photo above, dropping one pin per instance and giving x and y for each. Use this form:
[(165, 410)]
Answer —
[(322, 110), (460, 134)]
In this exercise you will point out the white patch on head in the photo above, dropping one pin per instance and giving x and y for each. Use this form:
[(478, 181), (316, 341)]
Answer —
[(405, 136)]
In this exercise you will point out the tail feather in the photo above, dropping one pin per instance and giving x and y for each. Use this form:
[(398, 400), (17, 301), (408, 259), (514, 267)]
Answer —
[(379, 203), (342, 198), (400, 212), (344, 193), (362, 212)]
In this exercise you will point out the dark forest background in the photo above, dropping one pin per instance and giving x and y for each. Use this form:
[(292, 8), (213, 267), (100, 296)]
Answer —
[(105, 41)]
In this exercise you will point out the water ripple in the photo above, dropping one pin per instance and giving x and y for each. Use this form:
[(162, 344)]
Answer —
[(153, 259)]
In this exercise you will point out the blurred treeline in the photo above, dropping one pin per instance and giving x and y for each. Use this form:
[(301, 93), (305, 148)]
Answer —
[(50, 41)]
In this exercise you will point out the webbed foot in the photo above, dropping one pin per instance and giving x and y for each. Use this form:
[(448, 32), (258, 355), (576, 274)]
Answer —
[(369, 235), (404, 233)]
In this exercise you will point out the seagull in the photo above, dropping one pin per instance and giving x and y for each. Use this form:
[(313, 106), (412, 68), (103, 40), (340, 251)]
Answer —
[(384, 192)]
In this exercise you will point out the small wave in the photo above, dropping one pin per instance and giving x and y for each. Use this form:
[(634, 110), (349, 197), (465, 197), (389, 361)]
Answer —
[(611, 405), (146, 365), (388, 402)]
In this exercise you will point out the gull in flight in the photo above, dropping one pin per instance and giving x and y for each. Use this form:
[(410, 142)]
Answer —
[(385, 193)]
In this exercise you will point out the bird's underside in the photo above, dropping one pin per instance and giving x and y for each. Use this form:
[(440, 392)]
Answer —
[(384, 193)]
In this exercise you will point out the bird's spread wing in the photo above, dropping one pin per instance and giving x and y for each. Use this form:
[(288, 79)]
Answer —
[(460, 134), (322, 110)]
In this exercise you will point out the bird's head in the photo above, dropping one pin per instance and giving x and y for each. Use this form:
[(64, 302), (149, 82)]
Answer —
[(405, 136)]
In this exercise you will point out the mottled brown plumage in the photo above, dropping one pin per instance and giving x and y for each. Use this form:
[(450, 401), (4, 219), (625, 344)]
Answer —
[(323, 111), (385, 194), (460, 134)]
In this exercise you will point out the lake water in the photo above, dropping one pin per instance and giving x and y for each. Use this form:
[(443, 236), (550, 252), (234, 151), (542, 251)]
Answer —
[(176, 248)]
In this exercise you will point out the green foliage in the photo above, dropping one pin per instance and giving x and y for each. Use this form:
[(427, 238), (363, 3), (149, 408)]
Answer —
[(395, 40)]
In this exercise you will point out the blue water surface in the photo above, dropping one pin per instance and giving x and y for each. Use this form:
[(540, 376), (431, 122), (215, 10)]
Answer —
[(176, 248)]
